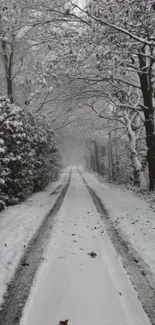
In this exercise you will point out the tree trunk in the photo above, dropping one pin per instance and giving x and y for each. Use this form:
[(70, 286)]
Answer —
[(150, 140), (92, 162), (96, 157), (9, 88), (147, 92), (9, 78), (111, 159), (102, 168), (136, 163), (8, 63)]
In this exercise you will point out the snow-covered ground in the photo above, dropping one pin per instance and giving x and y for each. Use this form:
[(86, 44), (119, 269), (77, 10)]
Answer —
[(131, 214), (17, 226), (70, 284)]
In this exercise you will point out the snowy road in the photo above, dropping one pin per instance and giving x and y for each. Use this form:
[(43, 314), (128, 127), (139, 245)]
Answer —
[(72, 285)]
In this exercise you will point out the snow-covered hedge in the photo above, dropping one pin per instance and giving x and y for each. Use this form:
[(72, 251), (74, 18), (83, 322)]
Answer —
[(29, 157)]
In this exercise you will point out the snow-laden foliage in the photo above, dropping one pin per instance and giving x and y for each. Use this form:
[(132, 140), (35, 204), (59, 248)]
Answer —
[(99, 56), (118, 64), (29, 158)]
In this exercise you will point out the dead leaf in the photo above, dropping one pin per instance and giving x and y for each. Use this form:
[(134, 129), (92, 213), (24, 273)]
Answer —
[(92, 254), (63, 322)]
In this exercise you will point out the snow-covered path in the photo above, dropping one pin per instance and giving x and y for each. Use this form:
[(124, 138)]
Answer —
[(72, 285), (19, 223)]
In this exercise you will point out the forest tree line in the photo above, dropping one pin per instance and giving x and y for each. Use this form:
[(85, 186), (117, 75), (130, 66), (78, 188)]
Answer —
[(89, 70)]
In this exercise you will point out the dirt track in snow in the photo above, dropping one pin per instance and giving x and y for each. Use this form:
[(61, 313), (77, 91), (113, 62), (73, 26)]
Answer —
[(131, 260), (72, 285), (20, 286)]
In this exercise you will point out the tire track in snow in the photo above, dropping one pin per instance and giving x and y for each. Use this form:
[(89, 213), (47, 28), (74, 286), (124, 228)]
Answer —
[(20, 285), (130, 259)]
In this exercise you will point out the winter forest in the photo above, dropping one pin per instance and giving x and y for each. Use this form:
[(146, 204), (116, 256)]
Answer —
[(77, 85)]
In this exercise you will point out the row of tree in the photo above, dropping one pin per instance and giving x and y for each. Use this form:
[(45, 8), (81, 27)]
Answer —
[(65, 59), (119, 68), (29, 157), (113, 159)]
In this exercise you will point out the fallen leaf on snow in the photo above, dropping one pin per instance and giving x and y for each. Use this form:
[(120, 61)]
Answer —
[(92, 254), (63, 322)]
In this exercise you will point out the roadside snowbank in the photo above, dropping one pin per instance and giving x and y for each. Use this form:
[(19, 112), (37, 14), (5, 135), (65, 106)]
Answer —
[(130, 214), (19, 223)]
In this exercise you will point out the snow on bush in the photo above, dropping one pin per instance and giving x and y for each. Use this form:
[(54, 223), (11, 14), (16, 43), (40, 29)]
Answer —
[(29, 157)]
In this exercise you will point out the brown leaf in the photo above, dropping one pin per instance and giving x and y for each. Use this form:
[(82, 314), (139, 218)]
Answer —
[(92, 254), (63, 322)]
